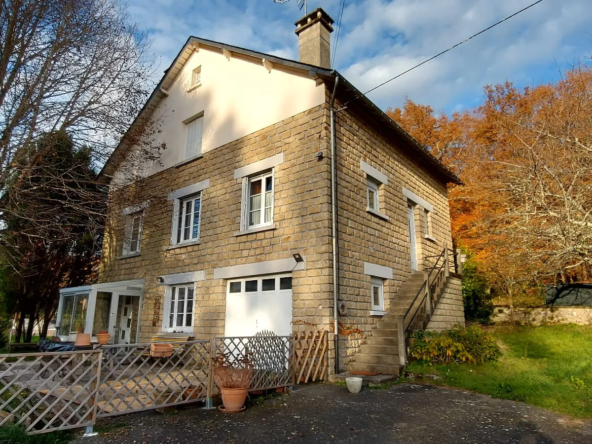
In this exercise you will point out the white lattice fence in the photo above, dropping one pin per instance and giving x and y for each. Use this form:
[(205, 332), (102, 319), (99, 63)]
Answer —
[(49, 391), (132, 380), (271, 356)]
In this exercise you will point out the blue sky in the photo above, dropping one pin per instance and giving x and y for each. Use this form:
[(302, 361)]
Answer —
[(381, 38)]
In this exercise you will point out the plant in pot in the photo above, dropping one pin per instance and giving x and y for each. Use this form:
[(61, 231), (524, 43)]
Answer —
[(103, 337), (233, 376)]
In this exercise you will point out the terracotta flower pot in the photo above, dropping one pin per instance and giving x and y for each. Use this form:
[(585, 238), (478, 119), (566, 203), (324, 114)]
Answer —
[(103, 338), (192, 392), (82, 340), (233, 398)]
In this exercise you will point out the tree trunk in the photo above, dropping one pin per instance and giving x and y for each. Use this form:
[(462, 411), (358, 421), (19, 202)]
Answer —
[(19, 328)]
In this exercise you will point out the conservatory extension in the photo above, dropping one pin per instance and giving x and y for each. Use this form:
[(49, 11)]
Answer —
[(110, 307)]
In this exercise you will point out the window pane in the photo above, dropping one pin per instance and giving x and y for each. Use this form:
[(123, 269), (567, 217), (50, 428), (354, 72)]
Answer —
[(190, 306), (251, 286), (190, 292), (171, 320), (371, 198), (179, 320), (268, 183), (67, 313), (181, 300), (188, 320), (122, 334), (129, 323), (268, 202), (235, 287), (187, 222), (255, 187), (80, 313), (376, 296), (268, 284), (286, 283), (255, 217), (196, 209)]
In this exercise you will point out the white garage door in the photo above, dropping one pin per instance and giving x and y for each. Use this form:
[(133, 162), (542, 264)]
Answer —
[(259, 303)]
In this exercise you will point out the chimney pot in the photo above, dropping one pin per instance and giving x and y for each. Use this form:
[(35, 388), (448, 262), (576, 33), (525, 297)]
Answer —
[(314, 38)]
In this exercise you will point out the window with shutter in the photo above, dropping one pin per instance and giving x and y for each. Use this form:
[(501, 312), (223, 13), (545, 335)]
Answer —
[(194, 136)]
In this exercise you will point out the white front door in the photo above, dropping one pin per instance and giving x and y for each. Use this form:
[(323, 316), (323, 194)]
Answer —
[(257, 304), (125, 321), (412, 246)]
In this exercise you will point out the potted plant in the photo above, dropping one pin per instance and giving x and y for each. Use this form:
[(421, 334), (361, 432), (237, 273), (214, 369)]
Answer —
[(103, 337), (233, 376)]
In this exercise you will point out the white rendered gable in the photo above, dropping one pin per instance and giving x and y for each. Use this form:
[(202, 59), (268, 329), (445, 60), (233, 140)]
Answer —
[(236, 97)]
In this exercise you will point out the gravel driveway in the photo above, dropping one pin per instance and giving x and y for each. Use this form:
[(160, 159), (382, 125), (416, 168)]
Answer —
[(322, 413)]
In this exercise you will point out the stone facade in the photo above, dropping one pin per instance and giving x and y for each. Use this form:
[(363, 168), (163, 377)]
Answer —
[(302, 219), (303, 224), (366, 237), (450, 310)]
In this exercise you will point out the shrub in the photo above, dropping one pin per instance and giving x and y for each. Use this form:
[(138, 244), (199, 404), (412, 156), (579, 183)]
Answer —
[(477, 297), (471, 345)]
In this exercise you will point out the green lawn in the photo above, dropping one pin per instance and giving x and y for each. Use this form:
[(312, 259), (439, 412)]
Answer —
[(549, 367)]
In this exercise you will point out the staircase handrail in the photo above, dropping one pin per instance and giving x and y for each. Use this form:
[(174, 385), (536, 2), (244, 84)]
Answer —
[(425, 289)]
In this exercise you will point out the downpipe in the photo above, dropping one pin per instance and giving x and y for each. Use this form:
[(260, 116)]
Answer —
[(334, 228)]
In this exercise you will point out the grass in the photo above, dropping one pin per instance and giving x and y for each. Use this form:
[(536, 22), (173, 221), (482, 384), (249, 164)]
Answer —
[(548, 366)]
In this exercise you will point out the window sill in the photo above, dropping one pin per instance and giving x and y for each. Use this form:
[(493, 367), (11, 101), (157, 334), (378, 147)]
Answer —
[(377, 213), (184, 244), (377, 312), (194, 87), (191, 159), (127, 256), (256, 230), (431, 239)]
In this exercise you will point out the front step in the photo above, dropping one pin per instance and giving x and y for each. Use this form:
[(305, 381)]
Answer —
[(387, 369), (368, 358)]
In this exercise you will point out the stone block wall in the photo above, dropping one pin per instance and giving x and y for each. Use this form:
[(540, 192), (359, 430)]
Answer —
[(450, 310), (365, 237), (301, 215)]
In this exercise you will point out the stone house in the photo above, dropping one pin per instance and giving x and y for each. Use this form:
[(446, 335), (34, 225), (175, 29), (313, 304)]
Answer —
[(279, 180)]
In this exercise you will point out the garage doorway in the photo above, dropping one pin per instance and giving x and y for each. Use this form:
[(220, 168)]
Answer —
[(260, 303)]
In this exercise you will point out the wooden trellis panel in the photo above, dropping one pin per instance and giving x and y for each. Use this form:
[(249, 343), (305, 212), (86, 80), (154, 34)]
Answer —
[(271, 356), (49, 391), (310, 356), (132, 380)]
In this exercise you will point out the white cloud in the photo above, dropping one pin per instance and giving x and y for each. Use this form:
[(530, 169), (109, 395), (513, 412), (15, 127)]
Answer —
[(381, 38)]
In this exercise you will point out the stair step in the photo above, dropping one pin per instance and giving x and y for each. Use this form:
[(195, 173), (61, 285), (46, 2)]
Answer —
[(379, 349), (362, 357), (385, 333), (375, 368), (375, 340)]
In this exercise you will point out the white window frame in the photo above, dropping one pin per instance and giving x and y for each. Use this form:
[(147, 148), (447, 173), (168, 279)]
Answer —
[(193, 124), (427, 216), (128, 234), (372, 204), (171, 297), (377, 283), (181, 217), (247, 200)]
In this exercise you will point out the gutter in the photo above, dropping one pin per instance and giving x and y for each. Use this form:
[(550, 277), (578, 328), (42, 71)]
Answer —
[(334, 227)]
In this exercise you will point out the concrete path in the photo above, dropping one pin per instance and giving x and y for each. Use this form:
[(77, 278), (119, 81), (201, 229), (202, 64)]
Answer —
[(405, 413)]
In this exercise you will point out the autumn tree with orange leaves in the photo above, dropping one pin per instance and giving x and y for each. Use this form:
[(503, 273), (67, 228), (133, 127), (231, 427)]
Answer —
[(525, 157)]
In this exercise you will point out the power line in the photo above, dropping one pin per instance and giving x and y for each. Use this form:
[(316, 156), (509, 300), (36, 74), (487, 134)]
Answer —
[(340, 15), (444, 52)]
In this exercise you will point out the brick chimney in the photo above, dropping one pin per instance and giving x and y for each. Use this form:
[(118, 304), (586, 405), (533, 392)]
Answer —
[(314, 34)]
